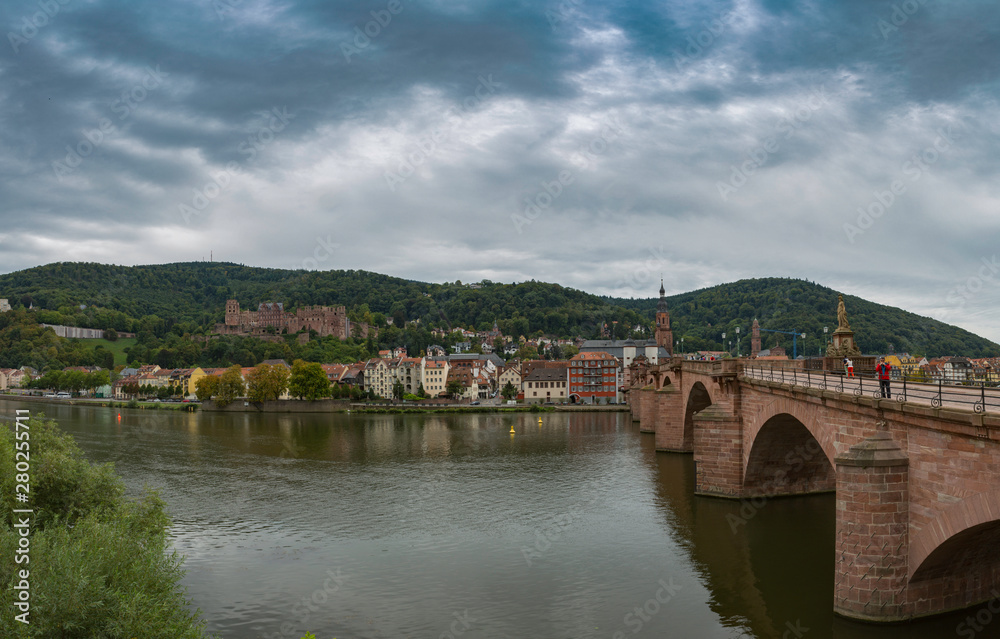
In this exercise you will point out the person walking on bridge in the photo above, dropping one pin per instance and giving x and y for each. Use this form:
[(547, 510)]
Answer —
[(883, 369)]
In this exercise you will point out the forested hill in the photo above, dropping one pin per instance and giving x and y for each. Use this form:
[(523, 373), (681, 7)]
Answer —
[(190, 298), (194, 294), (794, 305)]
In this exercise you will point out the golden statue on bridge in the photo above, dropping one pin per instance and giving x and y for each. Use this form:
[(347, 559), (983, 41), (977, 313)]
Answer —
[(842, 344), (842, 314)]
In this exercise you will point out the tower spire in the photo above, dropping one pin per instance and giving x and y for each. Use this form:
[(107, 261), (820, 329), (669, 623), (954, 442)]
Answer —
[(664, 336)]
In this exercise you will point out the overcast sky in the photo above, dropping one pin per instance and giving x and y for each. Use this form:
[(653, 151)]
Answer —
[(594, 144)]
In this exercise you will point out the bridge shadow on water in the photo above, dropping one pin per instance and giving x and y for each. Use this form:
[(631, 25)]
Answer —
[(769, 562)]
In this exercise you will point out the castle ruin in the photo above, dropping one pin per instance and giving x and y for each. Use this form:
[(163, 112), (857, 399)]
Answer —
[(271, 317)]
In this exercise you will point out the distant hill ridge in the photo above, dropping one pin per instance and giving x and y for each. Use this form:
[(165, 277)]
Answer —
[(194, 294)]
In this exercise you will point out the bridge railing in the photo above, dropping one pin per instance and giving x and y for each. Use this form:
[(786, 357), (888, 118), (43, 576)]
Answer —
[(980, 397), (713, 367)]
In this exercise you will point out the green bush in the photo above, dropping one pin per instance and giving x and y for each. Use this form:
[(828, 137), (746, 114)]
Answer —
[(99, 563)]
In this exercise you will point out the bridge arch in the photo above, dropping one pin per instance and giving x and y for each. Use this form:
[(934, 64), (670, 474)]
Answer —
[(962, 540), (696, 400), (786, 459), (661, 379), (806, 415)]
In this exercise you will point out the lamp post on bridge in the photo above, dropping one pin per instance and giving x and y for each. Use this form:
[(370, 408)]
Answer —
[(737, 341), (723, 341)]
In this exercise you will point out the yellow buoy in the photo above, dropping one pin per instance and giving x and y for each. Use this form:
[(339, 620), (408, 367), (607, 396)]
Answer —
[(512, 429)]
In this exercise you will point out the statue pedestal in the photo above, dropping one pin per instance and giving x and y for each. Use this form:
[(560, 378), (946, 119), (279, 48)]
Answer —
[(842, 344)]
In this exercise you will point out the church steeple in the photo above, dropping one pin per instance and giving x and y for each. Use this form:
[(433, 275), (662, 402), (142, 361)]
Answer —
[(664, 336)]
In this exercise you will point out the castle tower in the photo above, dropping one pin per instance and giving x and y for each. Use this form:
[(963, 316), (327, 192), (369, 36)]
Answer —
[(664, 336), (755, 339), (232, 313)]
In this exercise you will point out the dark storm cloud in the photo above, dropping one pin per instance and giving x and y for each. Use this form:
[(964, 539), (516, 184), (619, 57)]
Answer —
[(416, 133)]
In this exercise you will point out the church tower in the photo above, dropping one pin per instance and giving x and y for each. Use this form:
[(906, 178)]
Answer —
[(755, 339), (664, 336)]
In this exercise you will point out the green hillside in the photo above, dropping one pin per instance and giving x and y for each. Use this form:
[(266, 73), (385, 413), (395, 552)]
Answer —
[(194, 294), (799, 306), (173, 307)]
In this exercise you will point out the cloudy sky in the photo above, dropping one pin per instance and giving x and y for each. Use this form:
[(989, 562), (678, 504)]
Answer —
[(596, 144)]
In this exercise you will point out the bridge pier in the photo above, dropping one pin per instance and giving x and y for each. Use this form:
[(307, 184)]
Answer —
[(917, 488), (633, 405), (718, 453), (646, 410), (872, 531), (670, 435)]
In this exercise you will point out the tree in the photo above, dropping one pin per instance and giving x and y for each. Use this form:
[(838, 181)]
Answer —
[(308, 381), (205, 387), (455, 387), (110, 334), (97, 379), (398, 389), (231, 386), (509, 391), (399, 319), (131, 389), (88, 538), (527, 352), (74, 380), (421, 393), (266, 382)]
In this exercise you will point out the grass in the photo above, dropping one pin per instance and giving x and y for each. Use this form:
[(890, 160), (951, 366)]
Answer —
[(117, 347)]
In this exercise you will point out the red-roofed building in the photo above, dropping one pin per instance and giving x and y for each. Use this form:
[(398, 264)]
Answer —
[(594, 378), (334, 372), (469, 381)]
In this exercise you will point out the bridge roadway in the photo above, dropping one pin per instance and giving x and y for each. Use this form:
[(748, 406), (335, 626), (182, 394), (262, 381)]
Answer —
[(917, 475)]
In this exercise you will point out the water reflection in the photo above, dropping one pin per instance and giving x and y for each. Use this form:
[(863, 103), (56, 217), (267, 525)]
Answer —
[(410, 525)]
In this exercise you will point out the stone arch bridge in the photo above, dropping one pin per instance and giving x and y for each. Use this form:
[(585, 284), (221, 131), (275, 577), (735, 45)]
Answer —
[(917, 477)]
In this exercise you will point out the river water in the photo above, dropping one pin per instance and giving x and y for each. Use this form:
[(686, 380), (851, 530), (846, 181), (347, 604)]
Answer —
[(388, 526)]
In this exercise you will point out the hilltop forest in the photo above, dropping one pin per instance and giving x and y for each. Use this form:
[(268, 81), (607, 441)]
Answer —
[(173, 307)]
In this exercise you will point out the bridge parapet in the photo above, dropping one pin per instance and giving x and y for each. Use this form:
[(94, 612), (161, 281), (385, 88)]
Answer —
[(717, 367), (979, 398)]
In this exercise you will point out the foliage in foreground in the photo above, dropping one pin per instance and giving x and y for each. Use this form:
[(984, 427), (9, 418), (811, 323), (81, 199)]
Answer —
[(99, 563)]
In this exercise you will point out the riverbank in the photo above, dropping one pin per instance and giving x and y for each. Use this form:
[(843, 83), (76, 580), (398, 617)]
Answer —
[(106, 403), (323, 406), (343, 406)]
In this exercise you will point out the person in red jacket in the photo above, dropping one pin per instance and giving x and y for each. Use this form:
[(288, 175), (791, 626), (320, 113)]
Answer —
[(883, 369)]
